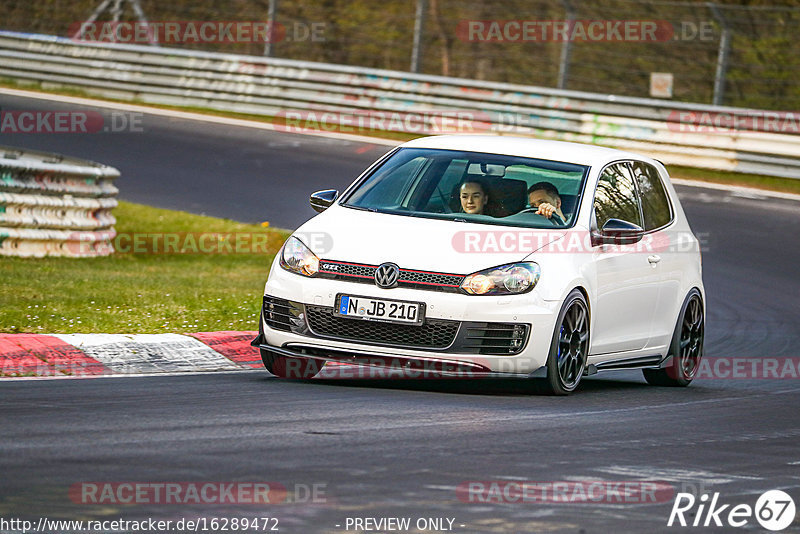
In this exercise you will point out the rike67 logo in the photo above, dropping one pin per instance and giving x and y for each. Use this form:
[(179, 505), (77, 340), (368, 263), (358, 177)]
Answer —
[(774, 510)]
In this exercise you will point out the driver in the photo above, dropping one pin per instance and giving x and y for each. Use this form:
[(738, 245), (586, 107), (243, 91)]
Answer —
[(544, 197)]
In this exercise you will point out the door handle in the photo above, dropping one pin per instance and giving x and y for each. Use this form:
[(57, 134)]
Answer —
[(653, 259)]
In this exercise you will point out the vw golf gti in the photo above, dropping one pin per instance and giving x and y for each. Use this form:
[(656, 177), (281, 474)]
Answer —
[(468, 255)]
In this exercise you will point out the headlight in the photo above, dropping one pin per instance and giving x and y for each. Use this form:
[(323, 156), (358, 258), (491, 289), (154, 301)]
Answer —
[(298, 258), (511, 279)]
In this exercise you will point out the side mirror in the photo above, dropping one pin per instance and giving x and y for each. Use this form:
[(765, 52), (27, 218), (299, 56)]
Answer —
[(618, 232), (322, 200)]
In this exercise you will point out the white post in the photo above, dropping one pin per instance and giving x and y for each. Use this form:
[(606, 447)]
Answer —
[(566, 48), (273, 8), (419, 30), (722, 55)]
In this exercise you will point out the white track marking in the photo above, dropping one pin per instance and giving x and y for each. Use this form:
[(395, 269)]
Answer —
[(673, 475)]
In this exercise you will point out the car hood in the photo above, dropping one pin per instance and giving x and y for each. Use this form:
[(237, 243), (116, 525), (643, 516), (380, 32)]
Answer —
[(347, 234)]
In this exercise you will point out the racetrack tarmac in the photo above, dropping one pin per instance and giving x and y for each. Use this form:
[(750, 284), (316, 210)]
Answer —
[(391, 448)]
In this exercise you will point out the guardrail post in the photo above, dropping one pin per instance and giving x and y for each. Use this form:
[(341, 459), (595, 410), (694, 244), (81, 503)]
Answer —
[(273, 8), (722, 55), (116, 13), (419, 29), (137, 9), (566, 48)]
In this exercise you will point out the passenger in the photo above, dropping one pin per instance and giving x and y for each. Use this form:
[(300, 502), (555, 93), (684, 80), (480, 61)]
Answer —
[(474, 196), (544, 197)]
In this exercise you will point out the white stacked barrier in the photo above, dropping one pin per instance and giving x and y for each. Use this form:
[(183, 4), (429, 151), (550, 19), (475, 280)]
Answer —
[(55, 206)]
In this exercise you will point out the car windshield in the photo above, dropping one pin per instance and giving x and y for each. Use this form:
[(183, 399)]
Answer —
[(472, 186)]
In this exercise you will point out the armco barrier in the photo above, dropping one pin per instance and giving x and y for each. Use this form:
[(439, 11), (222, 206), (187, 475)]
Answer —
[(273, 87), (55, 206)]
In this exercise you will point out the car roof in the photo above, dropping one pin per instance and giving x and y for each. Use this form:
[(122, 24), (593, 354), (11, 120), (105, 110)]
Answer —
[(528, 147)]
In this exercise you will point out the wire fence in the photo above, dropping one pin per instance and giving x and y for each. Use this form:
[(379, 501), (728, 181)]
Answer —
[(739, 54)]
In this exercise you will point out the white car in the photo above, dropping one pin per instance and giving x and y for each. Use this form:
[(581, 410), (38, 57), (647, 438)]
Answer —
[(469, 255)]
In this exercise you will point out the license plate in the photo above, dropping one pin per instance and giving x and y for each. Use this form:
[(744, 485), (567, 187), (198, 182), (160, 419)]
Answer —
[(385, 310)]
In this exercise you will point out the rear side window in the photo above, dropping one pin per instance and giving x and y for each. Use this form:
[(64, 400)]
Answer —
[(655, 204), (616, 196)]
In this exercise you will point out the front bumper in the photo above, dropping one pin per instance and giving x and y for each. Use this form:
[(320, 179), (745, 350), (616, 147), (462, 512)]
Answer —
[(526, 312)]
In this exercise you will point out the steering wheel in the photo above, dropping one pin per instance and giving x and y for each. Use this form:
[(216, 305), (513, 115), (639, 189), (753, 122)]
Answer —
[(555, 218)]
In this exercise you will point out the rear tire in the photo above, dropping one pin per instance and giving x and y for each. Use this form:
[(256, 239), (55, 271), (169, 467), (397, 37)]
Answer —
[(569, 347), (686, 348), (287, 367)]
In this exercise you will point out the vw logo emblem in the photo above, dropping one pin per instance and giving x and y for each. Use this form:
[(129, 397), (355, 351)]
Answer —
[(386, 275)]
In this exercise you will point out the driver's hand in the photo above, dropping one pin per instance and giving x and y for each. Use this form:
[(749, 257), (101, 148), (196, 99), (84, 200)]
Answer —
[(546, 209)]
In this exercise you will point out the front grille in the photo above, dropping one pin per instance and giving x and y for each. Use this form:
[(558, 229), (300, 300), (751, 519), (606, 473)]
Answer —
[(356, 272), (492, 338), (500, 339), (434, 334), (438, 279), (352, 269)]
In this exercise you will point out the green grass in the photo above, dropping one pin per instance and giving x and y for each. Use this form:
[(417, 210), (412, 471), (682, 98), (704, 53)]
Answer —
[(140, 293)]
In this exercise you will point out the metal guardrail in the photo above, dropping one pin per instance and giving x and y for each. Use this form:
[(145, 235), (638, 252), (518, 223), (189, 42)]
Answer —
[(274, 87), (55, 206)]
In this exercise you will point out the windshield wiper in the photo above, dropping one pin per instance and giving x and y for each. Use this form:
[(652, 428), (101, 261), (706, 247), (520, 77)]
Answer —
[(362, 208)]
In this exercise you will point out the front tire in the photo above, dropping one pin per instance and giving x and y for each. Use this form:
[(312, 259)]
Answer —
[(569, 347), (287, 367), (686, 348)]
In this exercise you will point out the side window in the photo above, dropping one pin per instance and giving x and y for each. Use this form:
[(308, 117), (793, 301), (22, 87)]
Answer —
[(655, 204), (616, 196)]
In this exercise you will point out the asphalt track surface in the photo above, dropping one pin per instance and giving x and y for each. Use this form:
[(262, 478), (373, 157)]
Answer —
[(388, 448)]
